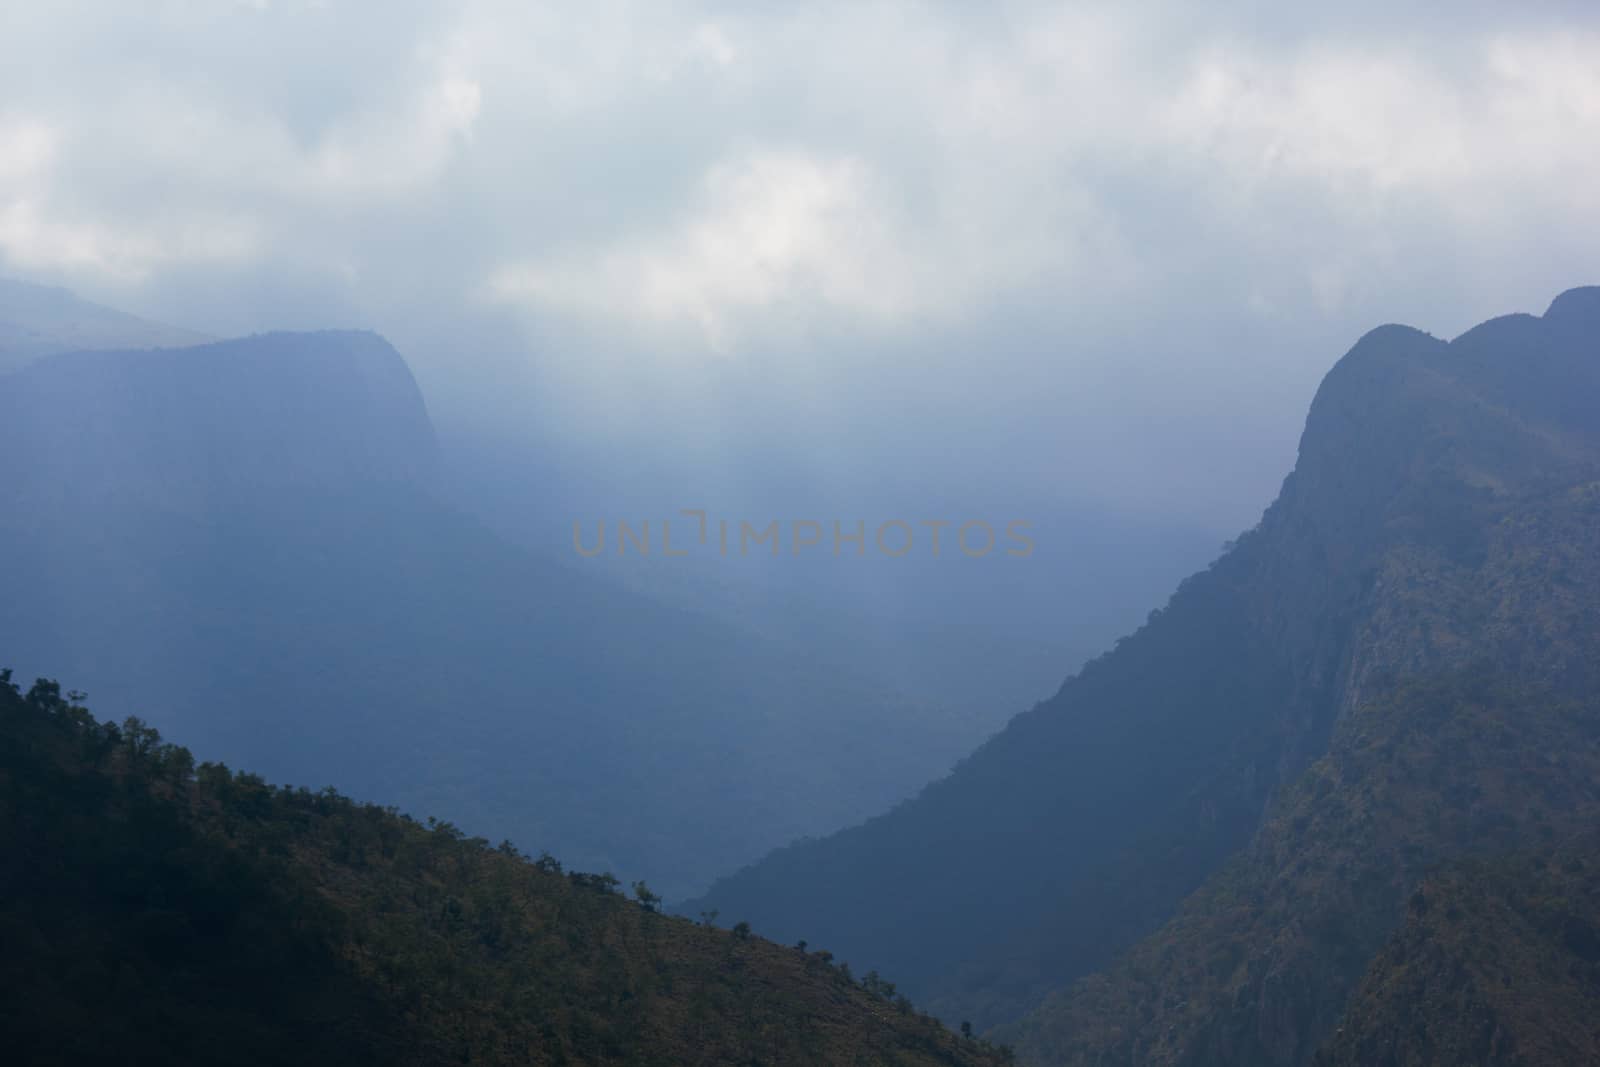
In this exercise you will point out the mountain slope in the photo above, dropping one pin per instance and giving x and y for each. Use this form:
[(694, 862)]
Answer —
[(1469, 725), (38, 320), (155, 912), (1497, 963), (244, 541), (1258, 964), (1440, 512)]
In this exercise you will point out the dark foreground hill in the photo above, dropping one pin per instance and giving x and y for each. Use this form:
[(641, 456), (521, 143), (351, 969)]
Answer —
[(152, 911), (1225, 816)]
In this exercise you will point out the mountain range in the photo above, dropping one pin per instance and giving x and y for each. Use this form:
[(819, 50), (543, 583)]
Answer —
[(249, 542), (42, 320), (1333, 803), (218, 525), (1197, 851)]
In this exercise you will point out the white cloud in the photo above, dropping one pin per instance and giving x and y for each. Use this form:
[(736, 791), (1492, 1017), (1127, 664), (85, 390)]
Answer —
[(652, 181), (27, 148), (764, 230), (1393, 120), (124, 169), (768, 237), (1040, 207), (937, 157), (386, 153)]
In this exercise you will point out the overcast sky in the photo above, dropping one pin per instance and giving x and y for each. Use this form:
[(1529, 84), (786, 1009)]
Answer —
[(1104, 251)]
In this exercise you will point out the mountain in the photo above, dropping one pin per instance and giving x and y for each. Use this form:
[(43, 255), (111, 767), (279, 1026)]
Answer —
[(154, 911), (982, 636), (39, 320), (1225, 815), (248, 542), (1497, 962), (1259, 965)]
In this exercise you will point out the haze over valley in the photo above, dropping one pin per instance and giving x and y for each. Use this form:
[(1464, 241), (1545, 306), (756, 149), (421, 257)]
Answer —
[(864, 534)]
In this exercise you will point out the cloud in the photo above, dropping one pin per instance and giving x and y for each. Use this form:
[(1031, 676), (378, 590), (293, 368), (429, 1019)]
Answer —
[(388, 154), (887, 160), (26, 149), (767, 236), (1391, 120), (1042, 209), (946, 169), (766, 229), (126, 169)]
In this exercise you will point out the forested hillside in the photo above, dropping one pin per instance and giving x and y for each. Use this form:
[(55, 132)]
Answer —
[(1395, 668), (1258, 965), (153, 911), (1498, 962)]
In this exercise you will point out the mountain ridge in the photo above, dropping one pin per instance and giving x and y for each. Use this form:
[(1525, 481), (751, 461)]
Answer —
[(324, 408), (42, 320), (252, 532), (1414, 449), (158, 911)]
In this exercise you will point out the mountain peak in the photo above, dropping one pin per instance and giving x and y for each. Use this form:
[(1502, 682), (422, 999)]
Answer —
[(1506, 400), (1576, 305), (1430, 497), (333, 408)]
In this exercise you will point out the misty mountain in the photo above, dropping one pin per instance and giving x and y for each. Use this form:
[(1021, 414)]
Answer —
[(40, 320), (155, 911), (1226, 814), (246, 541), (984, 637)]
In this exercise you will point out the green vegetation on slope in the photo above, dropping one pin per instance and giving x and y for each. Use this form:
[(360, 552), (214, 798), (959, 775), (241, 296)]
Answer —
[(1225, 814), (153, 911), (1498, 963), (1470, 727), (1258, 964)]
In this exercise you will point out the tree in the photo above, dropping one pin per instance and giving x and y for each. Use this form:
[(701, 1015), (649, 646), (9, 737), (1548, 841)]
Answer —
[(647, 900)]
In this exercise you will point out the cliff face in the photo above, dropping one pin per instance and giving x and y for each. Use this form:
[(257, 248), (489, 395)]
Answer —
[(1437, 507)]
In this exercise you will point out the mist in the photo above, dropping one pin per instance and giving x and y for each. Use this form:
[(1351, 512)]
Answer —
[(1046, 533), (1076, 255)]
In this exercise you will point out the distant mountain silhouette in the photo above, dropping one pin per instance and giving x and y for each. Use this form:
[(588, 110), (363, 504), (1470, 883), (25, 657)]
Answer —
[(250, 531), (1226, 814), (272, 412), (40, 320)]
